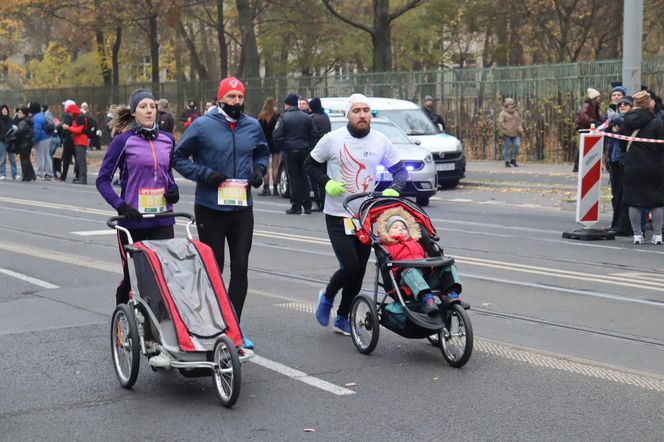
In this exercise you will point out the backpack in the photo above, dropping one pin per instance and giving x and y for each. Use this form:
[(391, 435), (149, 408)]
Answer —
[(49, 128)]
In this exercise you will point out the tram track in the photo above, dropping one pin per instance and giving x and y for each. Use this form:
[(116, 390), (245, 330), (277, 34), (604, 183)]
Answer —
[(489, 313)]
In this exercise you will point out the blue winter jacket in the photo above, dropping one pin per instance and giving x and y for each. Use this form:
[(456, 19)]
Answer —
[(39, 128), (210, 145)]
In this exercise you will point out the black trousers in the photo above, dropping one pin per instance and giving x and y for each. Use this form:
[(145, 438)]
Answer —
[(27, 171), (82, 163), (67, 155), (298, 179), (122, 292), (620, 220), (353, 257), (237, 227)]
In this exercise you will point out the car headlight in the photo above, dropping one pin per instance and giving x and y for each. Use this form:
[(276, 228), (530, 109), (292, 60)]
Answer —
[(459, 146), (428, 158)]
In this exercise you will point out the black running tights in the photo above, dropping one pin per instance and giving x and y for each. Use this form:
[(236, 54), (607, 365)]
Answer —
[(237, 227), (353, 257)]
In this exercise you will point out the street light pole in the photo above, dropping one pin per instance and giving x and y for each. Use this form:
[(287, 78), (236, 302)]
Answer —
[(632, 36)]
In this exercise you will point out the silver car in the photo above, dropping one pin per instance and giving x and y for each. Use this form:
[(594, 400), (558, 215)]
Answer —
[(423, 179)]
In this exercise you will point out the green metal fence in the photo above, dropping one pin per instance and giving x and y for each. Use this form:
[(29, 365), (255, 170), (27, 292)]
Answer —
[(548, 98)]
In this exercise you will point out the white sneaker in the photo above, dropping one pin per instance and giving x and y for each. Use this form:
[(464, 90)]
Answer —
[(2, 178), (638, 239), (656, 239), (160, 361)]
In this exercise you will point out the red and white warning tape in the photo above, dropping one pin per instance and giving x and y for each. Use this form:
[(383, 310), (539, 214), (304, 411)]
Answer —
[(625, 137)]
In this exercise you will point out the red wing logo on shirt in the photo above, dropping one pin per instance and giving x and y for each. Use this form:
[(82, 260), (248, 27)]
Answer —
[(355, 175)]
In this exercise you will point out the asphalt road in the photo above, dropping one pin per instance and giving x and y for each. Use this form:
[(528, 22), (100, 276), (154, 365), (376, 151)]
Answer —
[(569, 340)]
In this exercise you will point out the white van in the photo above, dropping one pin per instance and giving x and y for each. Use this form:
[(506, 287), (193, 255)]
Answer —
[(446, 149)]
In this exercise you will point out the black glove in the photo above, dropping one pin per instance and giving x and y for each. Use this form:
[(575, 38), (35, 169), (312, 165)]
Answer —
[(256, 179), (129, 212), (172, 195), (215, 178)]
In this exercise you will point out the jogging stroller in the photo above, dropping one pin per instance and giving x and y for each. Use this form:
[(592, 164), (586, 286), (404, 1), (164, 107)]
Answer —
[(178, 314), (450, 329)]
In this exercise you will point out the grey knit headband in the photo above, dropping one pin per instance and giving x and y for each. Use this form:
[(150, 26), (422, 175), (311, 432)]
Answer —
[(137, 96)]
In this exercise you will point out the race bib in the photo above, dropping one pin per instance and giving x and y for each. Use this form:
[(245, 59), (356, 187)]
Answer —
[(151, 200), (232, 192), (349, 227)]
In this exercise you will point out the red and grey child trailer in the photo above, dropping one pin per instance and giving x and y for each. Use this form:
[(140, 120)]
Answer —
[(178, 314), (389, 305)]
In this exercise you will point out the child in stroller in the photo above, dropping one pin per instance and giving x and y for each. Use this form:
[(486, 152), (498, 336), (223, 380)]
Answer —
[(399, 234)]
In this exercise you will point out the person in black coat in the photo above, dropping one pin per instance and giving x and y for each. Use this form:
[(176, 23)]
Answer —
[(643, 179), (24, 139), (294, 135), (6, 145), (323, 126)]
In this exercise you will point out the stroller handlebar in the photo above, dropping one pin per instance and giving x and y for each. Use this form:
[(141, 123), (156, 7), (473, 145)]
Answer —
[(112, 221), (355, 196)]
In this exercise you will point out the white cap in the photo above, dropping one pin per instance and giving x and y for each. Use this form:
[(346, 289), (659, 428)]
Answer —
[(67, 103), (353, 100), (592, 93), (84, 104)]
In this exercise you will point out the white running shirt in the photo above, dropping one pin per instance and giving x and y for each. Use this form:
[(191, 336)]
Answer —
[(353, 161)]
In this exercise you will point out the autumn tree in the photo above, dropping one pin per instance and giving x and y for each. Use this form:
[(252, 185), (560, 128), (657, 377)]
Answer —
[(380, 30)]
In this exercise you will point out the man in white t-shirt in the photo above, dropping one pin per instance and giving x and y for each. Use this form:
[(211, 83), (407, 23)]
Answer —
[(345, 161)]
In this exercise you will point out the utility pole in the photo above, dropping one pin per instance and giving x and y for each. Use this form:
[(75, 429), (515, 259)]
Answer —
[(632, 37)]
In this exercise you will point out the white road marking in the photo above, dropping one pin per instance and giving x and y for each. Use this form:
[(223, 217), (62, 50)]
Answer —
[(30, 279), (300, 376), (647, 381), (94, 232)]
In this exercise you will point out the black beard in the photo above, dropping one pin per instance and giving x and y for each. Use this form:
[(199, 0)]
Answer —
[(233, 110), (358, 133)]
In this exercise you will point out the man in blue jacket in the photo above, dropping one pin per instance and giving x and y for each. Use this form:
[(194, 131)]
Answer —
[(41, 141), (224, 152)]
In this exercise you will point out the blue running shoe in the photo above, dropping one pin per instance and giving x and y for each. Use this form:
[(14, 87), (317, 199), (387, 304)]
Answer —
[(323, 309), (342, 325), (247, 343)]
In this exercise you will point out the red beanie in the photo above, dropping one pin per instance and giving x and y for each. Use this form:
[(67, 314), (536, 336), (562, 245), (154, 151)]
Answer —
[(229, 84)]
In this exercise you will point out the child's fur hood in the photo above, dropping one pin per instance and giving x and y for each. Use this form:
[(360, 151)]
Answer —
[(413, 227)]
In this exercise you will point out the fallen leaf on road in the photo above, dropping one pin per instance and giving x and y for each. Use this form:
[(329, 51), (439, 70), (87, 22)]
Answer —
[(350, 384), (309, 430)]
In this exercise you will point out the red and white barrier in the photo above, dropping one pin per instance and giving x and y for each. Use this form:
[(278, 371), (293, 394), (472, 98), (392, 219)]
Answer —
[(590, 184)]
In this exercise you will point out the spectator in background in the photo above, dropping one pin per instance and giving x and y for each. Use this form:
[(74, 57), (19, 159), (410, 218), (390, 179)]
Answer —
[(510, 128), (268, 120), (51, 129), (190, 113), (67, 139), (294, 135), (24, 142), (643, 179), (41, 141), (303, 104), (323, 126), (81, 142), (431, 113), (91, 127), (615, 159), (209, 104), (5, 127), (588, 115), (164, 116)]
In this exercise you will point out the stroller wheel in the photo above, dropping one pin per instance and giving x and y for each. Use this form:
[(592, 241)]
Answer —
[(226, 376), (125, 347), (456, 338), (364, 326)]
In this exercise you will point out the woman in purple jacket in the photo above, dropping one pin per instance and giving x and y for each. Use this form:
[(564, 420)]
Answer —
[(142, 154)]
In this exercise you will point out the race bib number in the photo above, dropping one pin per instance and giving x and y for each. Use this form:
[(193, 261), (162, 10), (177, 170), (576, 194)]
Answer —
[(151, 200), (349, 227), (232, 192)]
